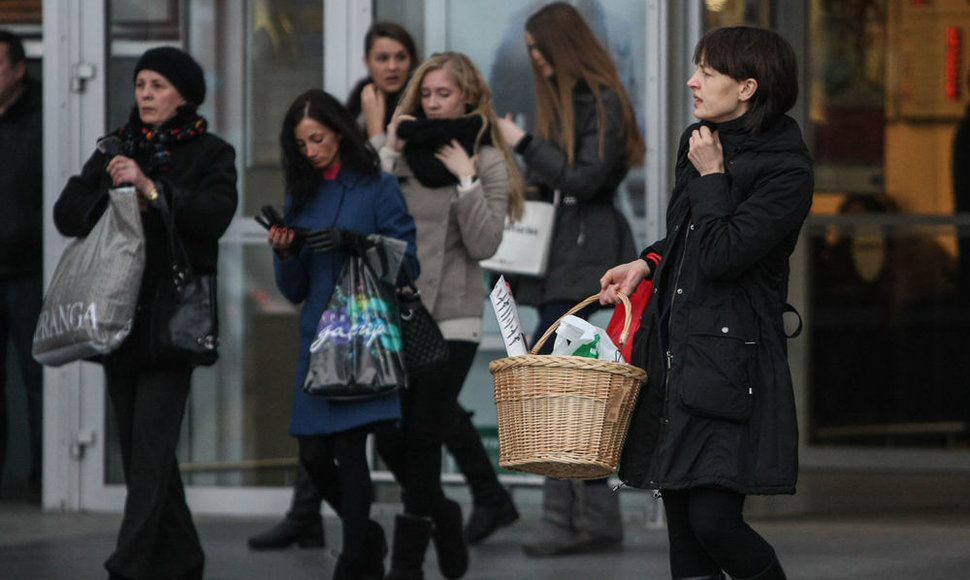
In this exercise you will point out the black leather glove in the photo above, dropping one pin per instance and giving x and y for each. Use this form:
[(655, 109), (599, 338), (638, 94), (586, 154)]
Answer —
[(328, 239)]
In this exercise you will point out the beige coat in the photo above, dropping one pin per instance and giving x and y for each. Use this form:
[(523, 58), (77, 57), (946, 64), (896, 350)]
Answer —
[(455, 230)]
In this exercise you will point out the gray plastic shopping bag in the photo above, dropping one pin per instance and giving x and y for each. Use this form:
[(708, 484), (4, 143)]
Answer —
[(90, 303)]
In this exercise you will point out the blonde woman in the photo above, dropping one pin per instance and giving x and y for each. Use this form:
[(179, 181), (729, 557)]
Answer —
[(586, 140), (460, 182)]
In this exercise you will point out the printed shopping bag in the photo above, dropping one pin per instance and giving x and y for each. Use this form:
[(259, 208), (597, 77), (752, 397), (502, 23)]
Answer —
[(90, 303), (357, 352)]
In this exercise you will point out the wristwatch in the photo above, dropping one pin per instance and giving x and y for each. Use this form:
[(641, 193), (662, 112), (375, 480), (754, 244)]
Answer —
[(467, 181)]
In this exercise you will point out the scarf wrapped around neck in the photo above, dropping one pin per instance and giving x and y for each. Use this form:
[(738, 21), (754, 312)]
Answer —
[(423, 137), (141, 140)]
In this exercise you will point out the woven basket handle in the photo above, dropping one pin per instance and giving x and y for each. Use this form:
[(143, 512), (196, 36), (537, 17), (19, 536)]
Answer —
[(627, 319)]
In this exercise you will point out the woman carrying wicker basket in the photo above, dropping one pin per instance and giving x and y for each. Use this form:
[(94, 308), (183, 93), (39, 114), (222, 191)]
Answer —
[(586, 141), (716, 419)]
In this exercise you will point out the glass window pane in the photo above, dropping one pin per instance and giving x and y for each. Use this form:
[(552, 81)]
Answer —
[(144, 21), (285, 59), (888, 334), (889, 319), (22, 12), (737, 13)]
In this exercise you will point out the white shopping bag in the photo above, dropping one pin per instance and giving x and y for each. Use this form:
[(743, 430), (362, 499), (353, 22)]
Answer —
[(526, 243)]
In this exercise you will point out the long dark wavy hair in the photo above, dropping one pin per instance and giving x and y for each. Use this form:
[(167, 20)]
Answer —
[(301, 178)]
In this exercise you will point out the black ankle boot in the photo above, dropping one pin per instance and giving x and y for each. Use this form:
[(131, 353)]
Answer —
[(288, 532), (347, 569), (772, 572), (449, 541), (411, 537), (375, 550)]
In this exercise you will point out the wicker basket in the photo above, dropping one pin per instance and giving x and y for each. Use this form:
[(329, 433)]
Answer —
[(564, 416)]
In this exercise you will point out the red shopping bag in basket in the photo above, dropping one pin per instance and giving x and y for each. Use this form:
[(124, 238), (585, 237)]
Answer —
[(639, 300)]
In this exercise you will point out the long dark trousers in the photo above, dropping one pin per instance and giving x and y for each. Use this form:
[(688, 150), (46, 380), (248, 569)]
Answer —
[(337, 466), (157, 538), (429, 405), (20, 304), (707, 533)]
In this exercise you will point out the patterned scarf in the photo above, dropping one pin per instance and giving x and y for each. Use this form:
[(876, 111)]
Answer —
[(155, 143)]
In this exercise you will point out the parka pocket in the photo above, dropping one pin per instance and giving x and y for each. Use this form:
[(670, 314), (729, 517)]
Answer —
[(717, 374)]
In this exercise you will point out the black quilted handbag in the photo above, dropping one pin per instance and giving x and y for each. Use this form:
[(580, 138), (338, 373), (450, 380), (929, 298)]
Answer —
[(185, 315), (424, 345)]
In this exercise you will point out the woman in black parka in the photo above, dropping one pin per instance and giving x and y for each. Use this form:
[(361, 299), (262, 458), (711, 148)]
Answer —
[(170, 158), (716, 420)]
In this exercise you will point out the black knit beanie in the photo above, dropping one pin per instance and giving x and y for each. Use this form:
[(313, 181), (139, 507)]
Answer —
[(178, 68)]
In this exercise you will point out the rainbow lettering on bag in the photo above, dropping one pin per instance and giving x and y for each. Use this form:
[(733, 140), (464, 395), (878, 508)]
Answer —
[(363, 317)]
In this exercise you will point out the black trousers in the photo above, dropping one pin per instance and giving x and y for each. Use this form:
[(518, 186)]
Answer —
[(337, 466), (157, 538), (20, 304), (707, 533), (429, 407)]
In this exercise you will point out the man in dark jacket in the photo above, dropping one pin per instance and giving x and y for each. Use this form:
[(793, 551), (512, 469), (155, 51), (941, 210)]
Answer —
[(21, 224)]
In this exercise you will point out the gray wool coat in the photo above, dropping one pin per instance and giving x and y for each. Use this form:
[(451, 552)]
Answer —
[(454, 231)]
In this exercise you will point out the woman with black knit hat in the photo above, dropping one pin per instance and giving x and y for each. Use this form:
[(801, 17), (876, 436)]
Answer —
[(175, 164)]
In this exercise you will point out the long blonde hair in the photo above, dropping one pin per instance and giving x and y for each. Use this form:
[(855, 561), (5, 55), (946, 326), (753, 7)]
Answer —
[(478, 97), (576, 55)]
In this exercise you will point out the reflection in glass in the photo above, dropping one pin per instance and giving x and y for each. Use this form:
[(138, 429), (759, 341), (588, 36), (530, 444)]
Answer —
[(285, 59), (889, 335)]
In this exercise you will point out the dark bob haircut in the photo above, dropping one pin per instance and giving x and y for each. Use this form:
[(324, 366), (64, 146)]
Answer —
[(743, 52), (301, 178)]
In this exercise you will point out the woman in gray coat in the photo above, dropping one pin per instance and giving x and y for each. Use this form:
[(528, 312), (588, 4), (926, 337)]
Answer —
[(716, 419), (586, 141)]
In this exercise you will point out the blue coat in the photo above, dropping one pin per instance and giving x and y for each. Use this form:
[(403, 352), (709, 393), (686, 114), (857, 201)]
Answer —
[(368, 205)]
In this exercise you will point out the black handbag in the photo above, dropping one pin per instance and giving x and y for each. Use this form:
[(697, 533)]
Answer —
[(185, 317), (424, 345)]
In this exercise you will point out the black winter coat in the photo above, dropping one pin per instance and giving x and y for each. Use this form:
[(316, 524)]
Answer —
[(590, 235), (201, 187), (22, 184), (718, 407)]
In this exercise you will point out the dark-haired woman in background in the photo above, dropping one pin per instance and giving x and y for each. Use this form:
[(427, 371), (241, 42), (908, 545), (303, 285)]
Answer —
[(716, 420), (390, 55), (587, 139), (170, 159), (333, 180)]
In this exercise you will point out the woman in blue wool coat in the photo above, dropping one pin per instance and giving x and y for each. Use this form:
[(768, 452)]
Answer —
[(335, 190)]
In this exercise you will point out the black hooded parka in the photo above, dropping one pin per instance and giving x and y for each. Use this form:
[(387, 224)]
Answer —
[(718, 408)]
